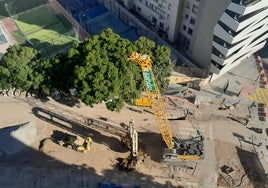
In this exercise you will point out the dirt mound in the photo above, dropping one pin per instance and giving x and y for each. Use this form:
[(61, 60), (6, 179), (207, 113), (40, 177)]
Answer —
[(17, 138)]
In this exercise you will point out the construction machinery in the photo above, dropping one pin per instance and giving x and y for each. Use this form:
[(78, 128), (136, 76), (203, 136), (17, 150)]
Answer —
[(131, 141), (154, 100), (69, 141)]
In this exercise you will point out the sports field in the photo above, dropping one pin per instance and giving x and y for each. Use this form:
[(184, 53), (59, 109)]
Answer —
[(17, 6), (46, 31)]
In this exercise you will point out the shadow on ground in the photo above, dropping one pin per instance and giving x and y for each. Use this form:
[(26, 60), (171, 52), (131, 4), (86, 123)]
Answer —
[(77, 128), (33, 168), (253, 168), (152, 144)]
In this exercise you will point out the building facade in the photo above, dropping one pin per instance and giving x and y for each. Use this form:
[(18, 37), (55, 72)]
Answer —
[(164, 15), (241, 31), (215, 35), (223, 32)]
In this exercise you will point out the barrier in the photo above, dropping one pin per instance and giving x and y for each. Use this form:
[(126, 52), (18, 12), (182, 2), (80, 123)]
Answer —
[(263, 78), (265, 113)]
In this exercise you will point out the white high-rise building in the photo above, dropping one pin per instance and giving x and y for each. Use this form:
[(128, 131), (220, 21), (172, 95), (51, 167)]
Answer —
[(215, 35), (241, 31), (223, 32), (164, 15)]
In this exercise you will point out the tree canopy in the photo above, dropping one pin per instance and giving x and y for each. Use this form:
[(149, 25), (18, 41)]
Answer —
[(98, 68), (20, 68)]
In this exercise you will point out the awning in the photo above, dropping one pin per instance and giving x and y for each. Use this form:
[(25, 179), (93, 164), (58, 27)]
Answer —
[(260, 96)]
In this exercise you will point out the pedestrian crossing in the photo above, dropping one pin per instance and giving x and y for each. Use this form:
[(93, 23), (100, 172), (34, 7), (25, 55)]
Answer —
[(260, 96)]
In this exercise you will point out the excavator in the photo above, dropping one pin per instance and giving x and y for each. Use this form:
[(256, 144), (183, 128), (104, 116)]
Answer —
[(69, 141), (177, 149)]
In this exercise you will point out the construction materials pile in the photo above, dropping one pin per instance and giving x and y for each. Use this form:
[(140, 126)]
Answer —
[(17, 138)]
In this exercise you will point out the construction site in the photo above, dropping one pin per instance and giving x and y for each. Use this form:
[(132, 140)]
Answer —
[(193, 135)]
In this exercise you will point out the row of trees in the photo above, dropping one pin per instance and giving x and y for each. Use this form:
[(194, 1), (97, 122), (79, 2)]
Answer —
[(97, 68)]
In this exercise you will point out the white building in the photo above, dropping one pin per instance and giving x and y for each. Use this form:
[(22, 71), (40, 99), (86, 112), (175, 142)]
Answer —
[(188, 24), (164, 15), (241, 31), (218, 34), (215, 35)]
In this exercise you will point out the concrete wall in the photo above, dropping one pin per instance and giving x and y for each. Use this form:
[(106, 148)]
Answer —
[(207, 17)]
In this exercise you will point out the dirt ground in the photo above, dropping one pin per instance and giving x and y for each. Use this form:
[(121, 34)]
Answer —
[(99, 164), (57, 166)]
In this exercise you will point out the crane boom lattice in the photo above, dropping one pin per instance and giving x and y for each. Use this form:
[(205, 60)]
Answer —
[(153, 93)]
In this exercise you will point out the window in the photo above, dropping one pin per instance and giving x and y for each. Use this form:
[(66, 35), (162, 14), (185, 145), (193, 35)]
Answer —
[(188, 5), (161, 25), (192, 21), (186, 16), (190, 31), (141, 1), (154, 21), (195, 9), (153, 8), (139, 9), (169, 6), (184, 27), (185, 43)]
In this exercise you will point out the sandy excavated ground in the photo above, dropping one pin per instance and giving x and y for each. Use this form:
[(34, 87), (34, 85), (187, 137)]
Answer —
[(99, 164), (57, 166)]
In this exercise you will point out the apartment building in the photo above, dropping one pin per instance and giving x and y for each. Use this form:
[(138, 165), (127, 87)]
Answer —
[(188, 24), (164, 15), (219, 34), (241, 31), (215, 35)]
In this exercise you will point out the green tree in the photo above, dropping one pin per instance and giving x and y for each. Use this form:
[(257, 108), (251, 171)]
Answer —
[(19, 68), (160, 56), (45, 67), (103, 72), (96, 79), (62, 72), (98, 68)]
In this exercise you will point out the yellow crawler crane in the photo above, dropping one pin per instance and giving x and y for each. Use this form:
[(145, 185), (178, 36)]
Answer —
[(154, 96), (154, 100)]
